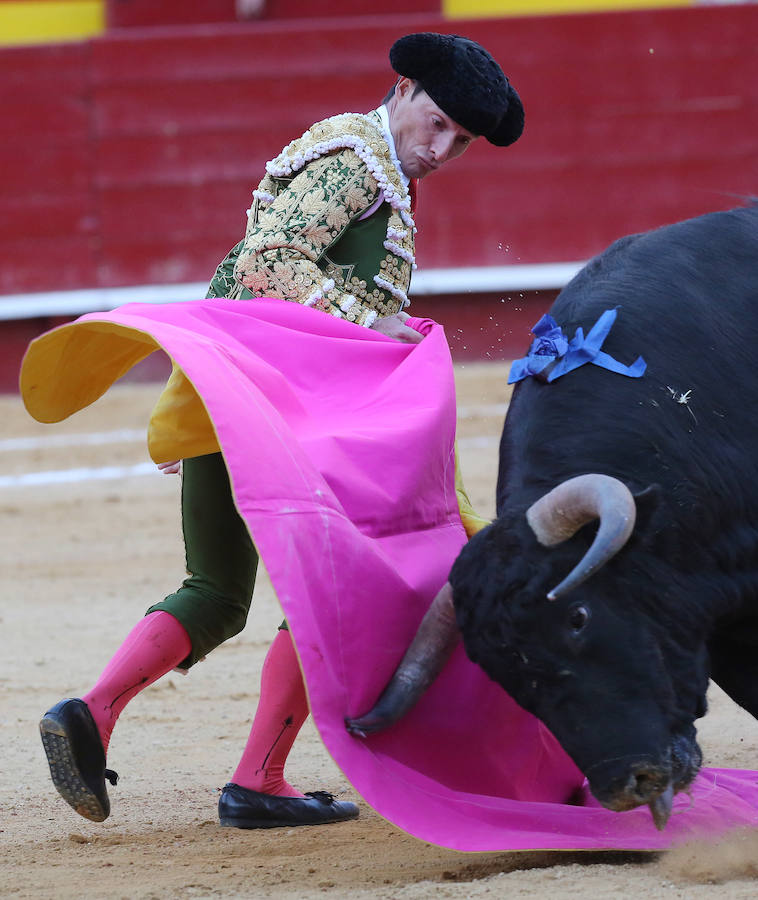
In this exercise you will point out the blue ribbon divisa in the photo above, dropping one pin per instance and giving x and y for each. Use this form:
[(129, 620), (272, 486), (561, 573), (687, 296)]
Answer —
[(551, 347)]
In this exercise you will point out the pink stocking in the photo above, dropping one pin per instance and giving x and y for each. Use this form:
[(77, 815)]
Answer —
[(282, 709), (153, 647)]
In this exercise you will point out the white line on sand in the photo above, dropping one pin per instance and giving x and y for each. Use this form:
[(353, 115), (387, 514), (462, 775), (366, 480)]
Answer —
[(43, 442), (68, 476), (133, 435)]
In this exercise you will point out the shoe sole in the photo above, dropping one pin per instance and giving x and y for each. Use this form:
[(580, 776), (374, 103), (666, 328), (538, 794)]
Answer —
[(231, 822), (66, 776)]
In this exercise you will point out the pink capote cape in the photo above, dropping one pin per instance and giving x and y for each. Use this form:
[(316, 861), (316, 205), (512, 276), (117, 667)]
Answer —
[(340, 446)]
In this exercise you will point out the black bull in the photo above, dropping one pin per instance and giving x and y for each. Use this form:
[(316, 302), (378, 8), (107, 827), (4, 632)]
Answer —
[(615, 660)]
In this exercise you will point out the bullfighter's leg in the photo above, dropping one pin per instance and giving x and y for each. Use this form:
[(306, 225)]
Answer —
[(734, 665), (281, 713), (258, 795), (210, 607)]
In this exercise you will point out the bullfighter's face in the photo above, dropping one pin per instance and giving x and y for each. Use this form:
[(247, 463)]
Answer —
[(425, 137)]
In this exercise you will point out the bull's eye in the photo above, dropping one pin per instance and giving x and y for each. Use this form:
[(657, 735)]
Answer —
[(578, 618)]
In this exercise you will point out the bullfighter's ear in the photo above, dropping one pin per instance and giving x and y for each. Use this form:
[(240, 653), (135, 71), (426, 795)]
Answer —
[(648, 503)]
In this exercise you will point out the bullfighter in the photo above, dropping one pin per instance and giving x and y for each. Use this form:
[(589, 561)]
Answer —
[(331, 227)]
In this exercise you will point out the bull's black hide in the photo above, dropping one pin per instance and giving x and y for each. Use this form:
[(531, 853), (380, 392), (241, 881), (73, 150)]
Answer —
[(618, 667)]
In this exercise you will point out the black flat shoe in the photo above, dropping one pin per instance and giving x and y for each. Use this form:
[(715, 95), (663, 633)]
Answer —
[(76, 758), (240, 807)]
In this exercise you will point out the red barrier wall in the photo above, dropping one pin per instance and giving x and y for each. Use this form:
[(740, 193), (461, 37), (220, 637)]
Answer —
[(48, 220), (139, 13), (131, 158)]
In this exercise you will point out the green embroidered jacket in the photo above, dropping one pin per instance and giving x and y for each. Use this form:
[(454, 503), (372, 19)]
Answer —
[(330, 225)]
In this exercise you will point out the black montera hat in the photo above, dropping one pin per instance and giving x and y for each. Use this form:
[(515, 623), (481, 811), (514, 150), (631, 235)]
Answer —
[(464, 81)]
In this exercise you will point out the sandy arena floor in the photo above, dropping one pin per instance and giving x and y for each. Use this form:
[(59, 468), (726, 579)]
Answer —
[(82, 559)]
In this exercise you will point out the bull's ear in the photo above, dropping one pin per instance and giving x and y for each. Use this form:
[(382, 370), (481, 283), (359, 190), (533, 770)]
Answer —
[(648, 503)]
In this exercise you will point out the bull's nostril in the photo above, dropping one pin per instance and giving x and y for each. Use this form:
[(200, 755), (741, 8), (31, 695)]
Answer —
[(648, 784), (642, 785)]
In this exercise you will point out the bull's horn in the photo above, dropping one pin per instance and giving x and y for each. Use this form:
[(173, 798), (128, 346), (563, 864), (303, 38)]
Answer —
[(562, 512), (660, 807), (435, 640)]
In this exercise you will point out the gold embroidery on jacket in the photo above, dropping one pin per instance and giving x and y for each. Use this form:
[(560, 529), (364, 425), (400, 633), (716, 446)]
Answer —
[(304, 204)]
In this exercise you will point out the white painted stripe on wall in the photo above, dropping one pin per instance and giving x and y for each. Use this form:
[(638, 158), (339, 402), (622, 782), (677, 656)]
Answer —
[(473, 280)]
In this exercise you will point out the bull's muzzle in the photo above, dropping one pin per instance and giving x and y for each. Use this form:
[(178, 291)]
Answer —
[(645, 782), (641, 784)]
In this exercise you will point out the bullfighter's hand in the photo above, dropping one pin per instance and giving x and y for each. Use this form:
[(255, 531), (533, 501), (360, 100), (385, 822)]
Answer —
[(170, 468), (394, 327)]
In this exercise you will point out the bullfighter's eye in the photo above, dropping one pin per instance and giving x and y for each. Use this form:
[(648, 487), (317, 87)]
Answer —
[(578, 618)]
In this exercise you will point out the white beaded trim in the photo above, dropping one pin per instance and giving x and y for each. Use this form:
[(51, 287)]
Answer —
[(263, 197), (408, 219), (289, 162), (371, 318), (284, 164), (384, 127), (319, 292), (395, 291), (401, 252)]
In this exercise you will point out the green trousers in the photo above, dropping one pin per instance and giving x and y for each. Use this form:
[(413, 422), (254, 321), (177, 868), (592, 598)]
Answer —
[(213, 602)]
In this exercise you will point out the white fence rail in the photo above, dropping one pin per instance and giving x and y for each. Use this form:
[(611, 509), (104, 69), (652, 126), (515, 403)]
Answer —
[(475, 280)]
